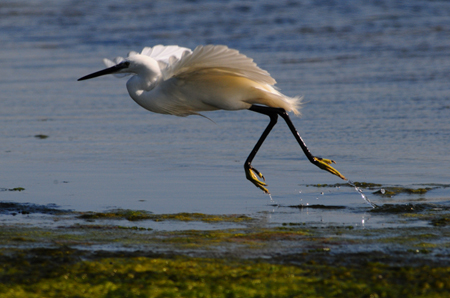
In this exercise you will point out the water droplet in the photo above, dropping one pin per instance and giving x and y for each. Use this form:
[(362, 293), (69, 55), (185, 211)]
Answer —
[(321, 193), (383, 191), (362, 194)]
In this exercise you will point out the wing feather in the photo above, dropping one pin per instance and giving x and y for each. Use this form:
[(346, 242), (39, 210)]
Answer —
[(220, 58), (165, 53), (178, 61)]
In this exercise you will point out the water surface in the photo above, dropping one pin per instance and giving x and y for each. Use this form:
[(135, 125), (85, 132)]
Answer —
[(375, 76)]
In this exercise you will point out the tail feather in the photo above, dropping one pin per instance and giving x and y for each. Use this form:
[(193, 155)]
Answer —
[(275, 99), (294, 103)]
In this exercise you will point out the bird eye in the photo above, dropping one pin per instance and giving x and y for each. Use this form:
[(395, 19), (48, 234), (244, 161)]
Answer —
[(126, 63)]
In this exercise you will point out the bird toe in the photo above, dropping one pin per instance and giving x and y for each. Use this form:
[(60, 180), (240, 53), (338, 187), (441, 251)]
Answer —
[(252, 175), (324, 164)]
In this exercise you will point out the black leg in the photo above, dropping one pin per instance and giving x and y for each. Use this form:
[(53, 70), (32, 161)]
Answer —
[(273, 113), (273, 120), (297, 136), (250, 171)]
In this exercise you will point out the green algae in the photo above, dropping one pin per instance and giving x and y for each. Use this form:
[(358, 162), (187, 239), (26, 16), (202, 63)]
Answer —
[(414, 239), (17, 189), (385, 191), (41, 136), (392, 191), (135, 215), (127, 214), (357, 184), (318, 206), (243, 237), (254, 260), (107, 227), (440, 221), (202, 217), (60, 273), (400, 208), (12, 189), (89, 235), (437, 215), (27, 208)]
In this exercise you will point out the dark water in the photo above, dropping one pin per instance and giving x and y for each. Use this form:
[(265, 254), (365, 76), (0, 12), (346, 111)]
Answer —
[(375, 76)]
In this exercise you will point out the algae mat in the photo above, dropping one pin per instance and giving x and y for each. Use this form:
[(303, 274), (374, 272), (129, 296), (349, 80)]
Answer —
[(129, 276), (113, 254)]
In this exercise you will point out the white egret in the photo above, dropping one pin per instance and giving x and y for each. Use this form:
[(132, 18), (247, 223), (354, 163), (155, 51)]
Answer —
[(177, 81)]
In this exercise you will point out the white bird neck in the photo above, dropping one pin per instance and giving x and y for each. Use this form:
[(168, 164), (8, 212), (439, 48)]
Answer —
[(147, 74)]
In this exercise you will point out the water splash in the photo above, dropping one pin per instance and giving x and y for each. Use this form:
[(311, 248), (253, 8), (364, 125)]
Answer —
[(351, 183), (272, 201)]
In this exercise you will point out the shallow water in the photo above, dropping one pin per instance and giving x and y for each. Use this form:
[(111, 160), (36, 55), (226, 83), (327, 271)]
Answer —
[(374, 75)]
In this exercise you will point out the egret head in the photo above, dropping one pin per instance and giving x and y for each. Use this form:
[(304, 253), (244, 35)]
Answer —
[(121, 67), (134, 64)]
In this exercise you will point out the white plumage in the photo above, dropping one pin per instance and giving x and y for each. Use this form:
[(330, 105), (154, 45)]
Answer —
[(185, 82), (177, 81)]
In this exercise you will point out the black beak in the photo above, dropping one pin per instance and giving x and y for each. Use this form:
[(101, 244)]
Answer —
[(110, 70)]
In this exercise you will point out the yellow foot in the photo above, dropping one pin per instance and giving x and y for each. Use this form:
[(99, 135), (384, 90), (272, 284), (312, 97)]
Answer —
[(252, 175), (324, 164)]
